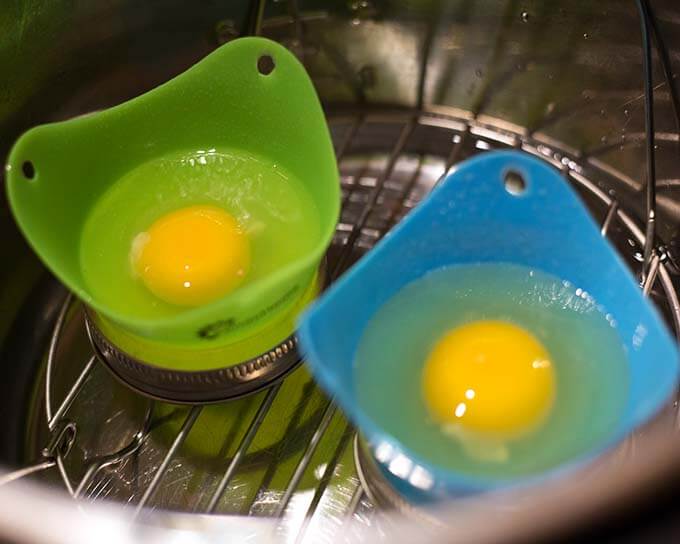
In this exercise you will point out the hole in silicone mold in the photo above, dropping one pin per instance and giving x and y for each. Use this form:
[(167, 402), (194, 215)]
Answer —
[(28, 169), (515, 183), (265, 65)]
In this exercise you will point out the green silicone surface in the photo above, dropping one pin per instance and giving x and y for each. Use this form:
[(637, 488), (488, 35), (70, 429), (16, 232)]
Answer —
[(218, 354), (223, 103)]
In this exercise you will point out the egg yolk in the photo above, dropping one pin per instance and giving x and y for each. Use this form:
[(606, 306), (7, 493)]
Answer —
[(489, 377), (192, 256)]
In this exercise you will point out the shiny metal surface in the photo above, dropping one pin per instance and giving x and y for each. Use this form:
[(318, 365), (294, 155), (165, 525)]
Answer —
[(219, 385), (162, 468), (411, 88)]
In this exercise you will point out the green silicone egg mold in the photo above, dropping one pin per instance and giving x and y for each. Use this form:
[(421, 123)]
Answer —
[(250, 96)]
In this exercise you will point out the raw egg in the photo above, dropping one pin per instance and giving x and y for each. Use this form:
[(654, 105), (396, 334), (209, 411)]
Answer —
[(244, 218), (192, 256), (490, 377), (492, 369)]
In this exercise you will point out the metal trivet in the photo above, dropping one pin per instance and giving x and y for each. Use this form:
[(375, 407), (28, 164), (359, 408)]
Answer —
[(387, 159)]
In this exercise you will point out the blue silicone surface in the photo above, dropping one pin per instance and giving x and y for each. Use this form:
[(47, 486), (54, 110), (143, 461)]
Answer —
[(471, 218)]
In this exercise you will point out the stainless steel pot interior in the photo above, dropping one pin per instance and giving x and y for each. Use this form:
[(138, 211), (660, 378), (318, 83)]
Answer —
[(410, 89)]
